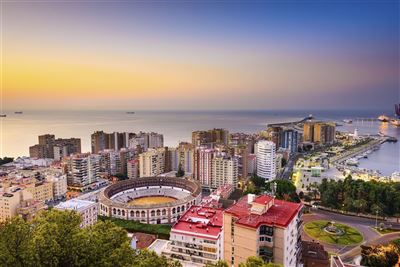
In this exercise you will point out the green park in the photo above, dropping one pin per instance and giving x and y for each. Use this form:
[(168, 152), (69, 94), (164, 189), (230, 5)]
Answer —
[(333, 233)]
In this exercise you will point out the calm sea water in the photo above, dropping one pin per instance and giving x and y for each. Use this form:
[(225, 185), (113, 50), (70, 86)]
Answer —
[(18, 132)]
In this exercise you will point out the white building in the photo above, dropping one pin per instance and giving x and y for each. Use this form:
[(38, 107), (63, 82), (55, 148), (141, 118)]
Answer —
[(224, 171), (83, 169), (203, 166), (59, 182), (152, 162), (266, 155), (88, 210), (197, 237)]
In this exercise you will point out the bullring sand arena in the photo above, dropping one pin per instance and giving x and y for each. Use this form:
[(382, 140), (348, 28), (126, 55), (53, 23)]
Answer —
[(152, 200)]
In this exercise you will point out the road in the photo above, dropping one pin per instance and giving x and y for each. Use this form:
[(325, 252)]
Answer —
[(356, 251), (364, 225)]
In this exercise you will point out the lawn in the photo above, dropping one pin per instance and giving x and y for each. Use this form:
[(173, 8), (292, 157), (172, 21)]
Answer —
[(162, 231), (385, 231), (316, 230)]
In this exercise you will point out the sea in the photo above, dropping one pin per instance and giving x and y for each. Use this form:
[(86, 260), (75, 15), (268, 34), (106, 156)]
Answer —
[(19, 131)]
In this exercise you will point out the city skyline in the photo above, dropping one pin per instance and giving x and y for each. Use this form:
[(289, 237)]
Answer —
[(121, 55)]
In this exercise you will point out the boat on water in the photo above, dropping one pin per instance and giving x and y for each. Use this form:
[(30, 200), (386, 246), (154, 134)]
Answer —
[(365, 155), (352, 162), (130, 112), (3, 115), (383, 118), (395, 122), (18, 112), (347, 121)]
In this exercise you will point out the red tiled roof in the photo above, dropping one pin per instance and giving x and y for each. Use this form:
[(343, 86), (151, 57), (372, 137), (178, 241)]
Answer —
[(200, 221), (279, 214), (264, 199)]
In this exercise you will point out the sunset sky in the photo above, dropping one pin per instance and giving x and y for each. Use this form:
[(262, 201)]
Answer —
[(108, 55)]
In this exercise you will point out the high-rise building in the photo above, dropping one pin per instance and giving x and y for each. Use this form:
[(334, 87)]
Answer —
[(265, 153), (49, 147), (98, 141), (203, 165), (133, 169), (186, 157), (101, 141), (324, 133), (319, 132), (152, 162), (242, 153), (262, 226), (273, 134), (210, 137), (146, 140), (224, 171), (110, 161), (290, 140), (82, 170)]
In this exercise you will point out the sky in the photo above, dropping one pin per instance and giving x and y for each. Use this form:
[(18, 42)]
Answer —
[(200, 55)]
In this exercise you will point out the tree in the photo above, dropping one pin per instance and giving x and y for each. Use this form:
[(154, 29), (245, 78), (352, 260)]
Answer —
[(121, 176), (54, 239), (14, 245), (258, 181), (146, 258), (219, 263), (6, 160), (254, 261), (180, 172), (382, 256), (285, 189)]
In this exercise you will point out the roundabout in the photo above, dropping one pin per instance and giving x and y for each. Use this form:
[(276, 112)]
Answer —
[(333, 233)]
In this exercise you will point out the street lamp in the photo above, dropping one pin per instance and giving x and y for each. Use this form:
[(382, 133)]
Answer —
[(376, 220)]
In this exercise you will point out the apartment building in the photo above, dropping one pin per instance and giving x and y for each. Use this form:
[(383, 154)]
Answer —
[(225, 170), (50, 147), (203, 165), (262, 226), (10, 200), (88, 210), (197, 237), (59, 182), (266, 159), (133, 168), (40, 190), (152, 162), (82, 170), (186, 156), (210, 137)]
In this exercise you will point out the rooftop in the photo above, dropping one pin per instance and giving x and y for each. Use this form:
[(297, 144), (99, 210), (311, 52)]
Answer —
[(74, 204), (281, 213), (200, 221)]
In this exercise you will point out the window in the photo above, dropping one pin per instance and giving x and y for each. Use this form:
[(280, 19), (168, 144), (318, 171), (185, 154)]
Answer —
[(266, 230)]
